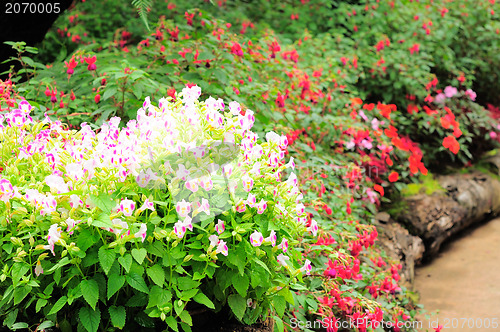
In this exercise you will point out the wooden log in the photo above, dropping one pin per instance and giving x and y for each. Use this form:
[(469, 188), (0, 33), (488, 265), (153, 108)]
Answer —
[(466, 199)]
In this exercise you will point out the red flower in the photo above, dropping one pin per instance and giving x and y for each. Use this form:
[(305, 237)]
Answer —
[(236, 49), (412, 108), (451, 143), (91, 62), (189, 18), (280, 100), (394, 176), (71, 66), (97, 98), (379, 189)]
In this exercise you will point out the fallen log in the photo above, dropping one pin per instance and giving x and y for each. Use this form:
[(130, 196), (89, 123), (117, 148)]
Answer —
[(466, 199), (399, 244)]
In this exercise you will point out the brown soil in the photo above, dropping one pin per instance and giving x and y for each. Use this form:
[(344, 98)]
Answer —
[(463, 282)]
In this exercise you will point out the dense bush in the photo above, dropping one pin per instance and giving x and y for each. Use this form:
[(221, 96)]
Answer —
[(363, 103)]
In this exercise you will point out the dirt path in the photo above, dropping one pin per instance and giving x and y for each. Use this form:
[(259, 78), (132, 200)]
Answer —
[(463, 282)]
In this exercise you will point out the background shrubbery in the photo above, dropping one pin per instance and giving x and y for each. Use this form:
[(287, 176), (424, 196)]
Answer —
[(368, 95)]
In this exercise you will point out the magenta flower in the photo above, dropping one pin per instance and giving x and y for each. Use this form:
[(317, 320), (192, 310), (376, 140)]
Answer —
[(440, 98), (450, 91), (471, 94)]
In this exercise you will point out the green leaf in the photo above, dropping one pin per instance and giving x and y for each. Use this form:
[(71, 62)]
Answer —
[(126, 262), (110, 91), (185, 283), (139, 254), (103, 202), (157, 274), (241, 284), (19, 325), (203, 299), (89, 318), (20, 293), (86, 239), (172, 323), (137, 282), (221, 76), (279, 324), (279, 304), (90, 292), (58, 305), (115, 283), (118, 316), (102, 221), (159, 297), (238, 305), (106, 258), (186, 318)]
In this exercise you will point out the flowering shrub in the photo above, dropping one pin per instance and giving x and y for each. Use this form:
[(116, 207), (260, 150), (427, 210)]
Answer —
[(124, 226), (364, 108)]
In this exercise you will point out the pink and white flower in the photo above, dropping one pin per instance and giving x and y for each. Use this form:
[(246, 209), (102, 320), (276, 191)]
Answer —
[(142, 232), (120, 226), (147, 205), (313, 228), (282, 259), (71, 224), (251, 200), (241, 207), (54, 236), (127, 207), (234, 108), (180, 229), (75, 202), (183, 208), (261, 206), (222, 248), (307, 268), (256, 239), (214, 240), (206, 183), (192, 185), (204, 207), (142, 179), (283, 245), (247, 183), (271, 238), (300, 209), (49, 205), (220, 227)]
